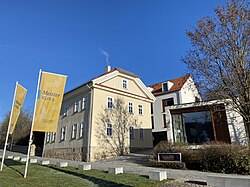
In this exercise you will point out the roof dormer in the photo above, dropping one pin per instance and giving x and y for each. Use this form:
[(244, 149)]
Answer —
[(166, 86)]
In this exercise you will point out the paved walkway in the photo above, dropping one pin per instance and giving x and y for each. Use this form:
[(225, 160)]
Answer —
[(133, 163)]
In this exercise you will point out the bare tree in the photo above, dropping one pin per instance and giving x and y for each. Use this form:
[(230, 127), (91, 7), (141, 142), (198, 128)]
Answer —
[(22, 128), (114, 125), (219, 57), (4, 126)]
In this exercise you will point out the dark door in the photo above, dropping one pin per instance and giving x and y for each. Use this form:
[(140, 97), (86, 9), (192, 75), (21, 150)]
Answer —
[(221, 126)]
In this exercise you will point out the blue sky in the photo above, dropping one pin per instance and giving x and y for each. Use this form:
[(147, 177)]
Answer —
[(146, 37)]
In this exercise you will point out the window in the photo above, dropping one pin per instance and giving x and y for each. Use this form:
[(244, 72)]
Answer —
[(65, 110), (193, 127), (152, 109), (140, 107), (164, 120), (130, 107), (165, 87), (124, 84), (48, 137), (152, 120), (131, 132), (84, 102), (76, 107), (83, 126), (74, 130), (63, 133), (170, 102), (167, 102), (109, 129), (53, 138), (110, 102), (141, 133)]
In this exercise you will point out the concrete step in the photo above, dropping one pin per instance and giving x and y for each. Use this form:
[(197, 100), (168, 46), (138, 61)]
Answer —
[(115, 170), (16, 158), (44, 162), (158, 175), (33, 160), (62, 164), (84, 167)]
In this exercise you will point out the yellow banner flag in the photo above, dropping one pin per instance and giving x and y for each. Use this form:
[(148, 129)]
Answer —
[(49, 101), (16, 108)]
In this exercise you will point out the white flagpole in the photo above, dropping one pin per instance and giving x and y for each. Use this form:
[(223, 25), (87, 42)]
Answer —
[(8, 130), (31, 133)]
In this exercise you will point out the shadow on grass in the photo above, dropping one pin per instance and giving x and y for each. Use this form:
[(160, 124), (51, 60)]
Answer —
[(100, 182), (10, 163), (145, 176), (197, 182)]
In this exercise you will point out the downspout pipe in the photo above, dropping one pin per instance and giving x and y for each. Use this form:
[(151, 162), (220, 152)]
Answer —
[(90, 122)]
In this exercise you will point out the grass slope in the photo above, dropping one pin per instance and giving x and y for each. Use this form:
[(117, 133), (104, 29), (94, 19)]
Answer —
[(12, 175)]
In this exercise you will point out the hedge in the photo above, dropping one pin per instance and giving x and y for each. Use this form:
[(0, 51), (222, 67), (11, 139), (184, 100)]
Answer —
[(213, 157), (225, 158), (172, 165)]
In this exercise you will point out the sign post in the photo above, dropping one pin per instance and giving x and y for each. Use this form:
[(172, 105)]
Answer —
[(31, 133), (49, 95), (18, 99)]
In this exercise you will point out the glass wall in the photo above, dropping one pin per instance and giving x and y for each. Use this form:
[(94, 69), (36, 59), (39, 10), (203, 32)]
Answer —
[(193, 127)]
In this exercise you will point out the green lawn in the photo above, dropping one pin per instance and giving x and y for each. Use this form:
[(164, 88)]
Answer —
[(12, 175)]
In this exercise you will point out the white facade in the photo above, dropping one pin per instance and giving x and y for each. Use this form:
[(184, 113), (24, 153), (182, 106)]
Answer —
[(181, 94), (181, 90), (158, 114), (236, 126), (189, 92)]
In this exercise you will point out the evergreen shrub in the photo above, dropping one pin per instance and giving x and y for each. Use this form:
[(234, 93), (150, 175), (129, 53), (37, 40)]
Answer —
[(211, 157)]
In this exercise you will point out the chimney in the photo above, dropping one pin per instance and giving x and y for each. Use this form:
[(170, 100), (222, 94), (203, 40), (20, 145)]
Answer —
[(108, 68)]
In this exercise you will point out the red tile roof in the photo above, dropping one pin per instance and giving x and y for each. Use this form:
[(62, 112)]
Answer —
[(177, 85)]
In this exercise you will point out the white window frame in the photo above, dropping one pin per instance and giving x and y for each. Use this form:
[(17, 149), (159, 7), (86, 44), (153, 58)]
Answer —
[(112, 102), (141, 133), (131, 132), (53, 137), (74, 131), (82, 129), (48, 137), (131, 107), (63, 135), (140, 109), (65, 110), (109, 130), (84, 102), (124, 83), (76, 106)]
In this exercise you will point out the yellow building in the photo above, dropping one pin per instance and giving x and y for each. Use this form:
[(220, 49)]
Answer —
[(80, 124)]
